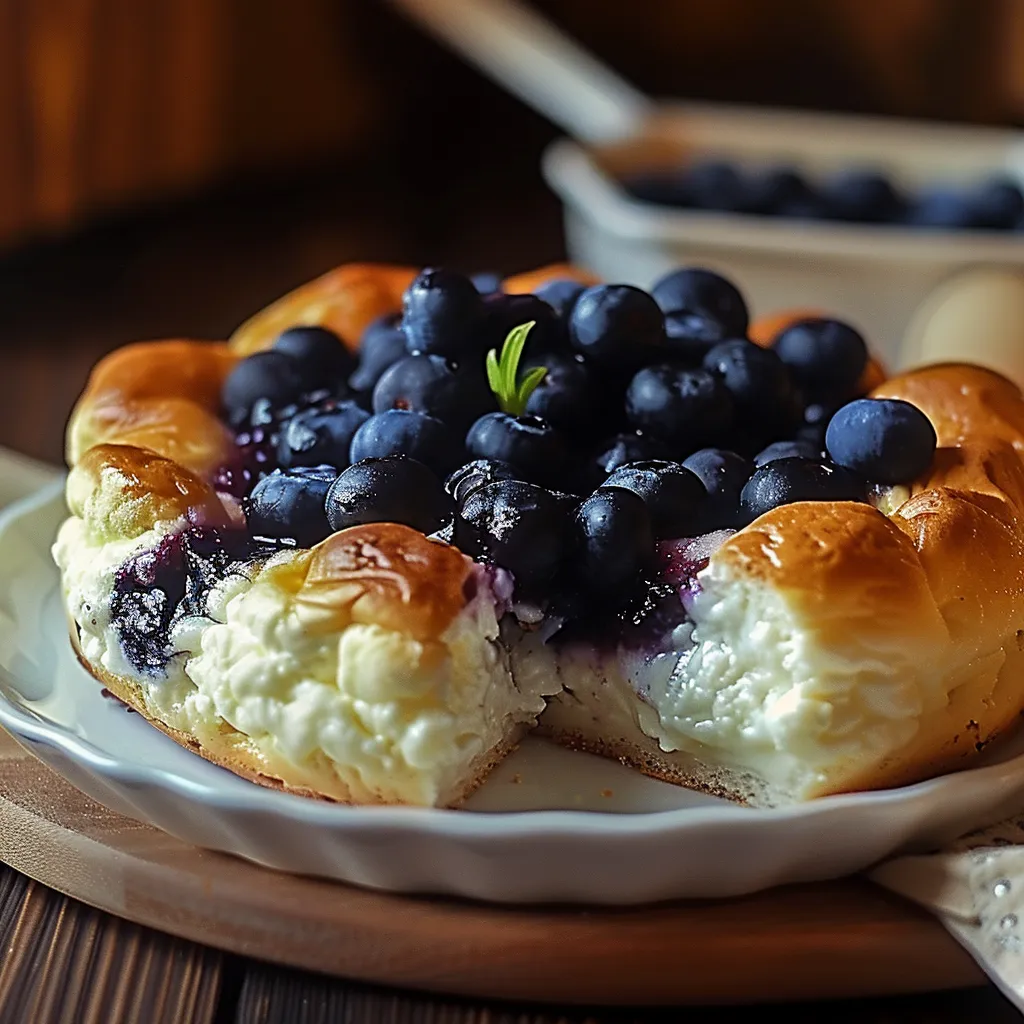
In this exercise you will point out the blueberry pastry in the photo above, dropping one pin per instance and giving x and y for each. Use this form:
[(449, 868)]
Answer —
[(404, 517)]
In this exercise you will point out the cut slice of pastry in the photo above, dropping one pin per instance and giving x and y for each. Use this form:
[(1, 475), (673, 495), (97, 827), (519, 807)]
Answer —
[(395, 523)]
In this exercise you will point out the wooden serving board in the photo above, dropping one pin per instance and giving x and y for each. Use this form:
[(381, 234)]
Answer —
[(817, 941)]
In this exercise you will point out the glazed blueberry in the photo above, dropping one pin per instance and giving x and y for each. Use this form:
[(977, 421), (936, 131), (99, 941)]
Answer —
[(487, 282), (723, 474), (760, 383), (883, 439), (382, 344), (571, 396), (703, 291), (561, 295), (671, 492), (788, 480), (608, 455), (400, 432), (532, 447), (614, 543), (617, 325), (690, 336), (320, 435), (801, 448), (323, 360), (441, 313), (687, 409), (863, 196), (943, 207), (777, 191), (431, 385), (474, 475), (517, 525), (395, 489), (714, 185), (505, 312), (826, 358), (288, 504), (998, 204), (815, 422), (273, 376)]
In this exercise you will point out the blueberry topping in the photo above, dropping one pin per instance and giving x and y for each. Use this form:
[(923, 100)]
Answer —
[(760, 383), (617, 325), (561, 295), (517, 525), (289, 505), (862, 195), (571, 396), (474, 475), (431, 385), (320, 435), (945, 208), (690, 336), (614, 543), (441, 313), (531, 446), (400, 432), (687, 409), (618, 451), (714, 185), (487, 282), (704, 291), (815, 421), (789, 480), (998, 204), (382, 344), (671, 492), (826, 357), (723, 474), (883, 439), (778, 191), (801, 448), (395, 489), (504, 313), (324, 362), (272, 376)]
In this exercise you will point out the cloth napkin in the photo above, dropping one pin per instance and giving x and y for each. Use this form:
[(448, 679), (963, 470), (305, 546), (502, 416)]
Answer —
[(975, 887)]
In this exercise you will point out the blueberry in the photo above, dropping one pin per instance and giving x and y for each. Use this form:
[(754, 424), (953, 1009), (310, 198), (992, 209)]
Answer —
[(998, 204), (571, 397), (687, 409), (474, 475), (801, 448), (441, 313), (400, 432), (487, 282), (788, 480), (690, 336), (665, 188), (778, 190), (273, 376), (862, 195), (671, 492), (760, 383), (614, 543), (323, 360), (608, 455), (430, 385), (532, 447), (723, 474), (826, 357), (517, 525), (883, 439), (714, 185), (703, 291), (505, 312), (395, 489), (945, 208), (561, 295), (288, 504), (382, 344), (320, 435), (617, 325), (815, 422)]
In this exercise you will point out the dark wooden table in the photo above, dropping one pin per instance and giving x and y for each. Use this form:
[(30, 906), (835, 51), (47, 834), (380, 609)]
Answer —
[(198, 271)]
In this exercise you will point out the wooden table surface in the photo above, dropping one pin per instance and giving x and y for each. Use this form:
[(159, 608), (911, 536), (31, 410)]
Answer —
[(197, 271)]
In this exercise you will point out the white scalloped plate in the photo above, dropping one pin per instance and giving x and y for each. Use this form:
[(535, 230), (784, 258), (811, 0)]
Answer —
[(549, 825)]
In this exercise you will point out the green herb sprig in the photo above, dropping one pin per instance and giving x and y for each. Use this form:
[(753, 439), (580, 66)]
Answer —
[(503, 371)]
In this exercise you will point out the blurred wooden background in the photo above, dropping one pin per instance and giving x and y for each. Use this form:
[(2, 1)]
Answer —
[(108, 103)]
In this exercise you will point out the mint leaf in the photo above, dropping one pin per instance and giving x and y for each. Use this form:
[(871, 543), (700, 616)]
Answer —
[(528, 385), (503, 372)]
